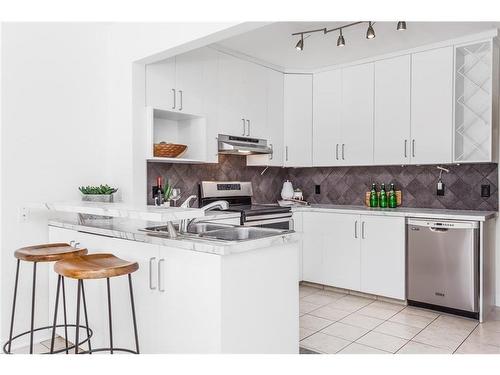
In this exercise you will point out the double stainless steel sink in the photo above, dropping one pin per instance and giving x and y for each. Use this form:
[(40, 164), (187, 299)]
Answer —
[(221, 232)]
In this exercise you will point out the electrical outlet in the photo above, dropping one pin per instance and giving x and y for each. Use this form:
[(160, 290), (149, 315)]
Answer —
[(317, 189), (24, 214), (485, 191), (440, 189)]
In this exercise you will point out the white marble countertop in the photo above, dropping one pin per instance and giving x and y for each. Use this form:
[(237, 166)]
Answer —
[(429, 213), (128, 229), (122, 210)]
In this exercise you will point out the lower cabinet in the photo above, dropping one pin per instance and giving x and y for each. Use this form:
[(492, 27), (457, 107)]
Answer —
[(358, 252)]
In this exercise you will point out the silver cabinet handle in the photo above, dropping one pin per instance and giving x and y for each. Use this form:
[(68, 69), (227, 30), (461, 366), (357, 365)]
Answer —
[(406, 143), (337, 151), (272, 151), (413, 148), (180, 99), (244, 128), (286, 153), (174, 105), (343, 147), (363, 230), (151, 260), (160, 288), (356, 229), (248, 127)]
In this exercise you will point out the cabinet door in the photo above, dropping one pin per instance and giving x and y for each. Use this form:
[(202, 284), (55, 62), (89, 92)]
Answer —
[(392, 111), (298, 120), (255, 99), (194, 71), (341, 251), (383, 256), (160, 85), (230, 96), (357, 115), (146, 297), (431, 106), (312, 243), (274, 129), (327, 96)]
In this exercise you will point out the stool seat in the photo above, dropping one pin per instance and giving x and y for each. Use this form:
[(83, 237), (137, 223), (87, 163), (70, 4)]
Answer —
[(94, 266), (51, 252)]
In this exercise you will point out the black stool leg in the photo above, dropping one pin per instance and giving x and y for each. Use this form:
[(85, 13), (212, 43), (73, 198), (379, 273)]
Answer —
[(56, 307), (110, 320), (77, 329), (13, 306), (33, 308), (64, 311), (86, 318), (133, 313)]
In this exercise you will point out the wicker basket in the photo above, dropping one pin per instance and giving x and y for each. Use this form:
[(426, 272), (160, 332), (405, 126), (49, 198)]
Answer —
[(168, 150), (399, 197)]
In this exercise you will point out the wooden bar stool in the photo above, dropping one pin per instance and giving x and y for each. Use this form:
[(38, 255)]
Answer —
[(99, 266), (51, 252)]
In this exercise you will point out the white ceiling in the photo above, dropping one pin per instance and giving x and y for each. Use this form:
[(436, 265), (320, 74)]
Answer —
[(275, 45)]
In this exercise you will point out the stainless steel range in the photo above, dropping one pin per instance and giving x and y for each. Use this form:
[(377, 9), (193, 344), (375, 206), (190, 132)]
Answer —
[(239, 196)]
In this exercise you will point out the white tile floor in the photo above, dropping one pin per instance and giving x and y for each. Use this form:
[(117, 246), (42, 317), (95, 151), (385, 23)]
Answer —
[(333, 322)]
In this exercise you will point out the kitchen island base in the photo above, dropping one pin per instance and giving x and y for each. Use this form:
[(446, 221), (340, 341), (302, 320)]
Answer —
[(194, 302)]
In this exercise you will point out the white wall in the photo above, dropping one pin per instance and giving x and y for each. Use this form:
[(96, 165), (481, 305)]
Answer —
[(67, 120)]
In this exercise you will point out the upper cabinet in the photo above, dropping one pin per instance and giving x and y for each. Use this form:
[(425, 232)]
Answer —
[(432, 106), (475, 112), (357, 115), (160, 85), (327, 106), (343, 116), (241, 97), (298, 120), (391, 132), (274, 128)]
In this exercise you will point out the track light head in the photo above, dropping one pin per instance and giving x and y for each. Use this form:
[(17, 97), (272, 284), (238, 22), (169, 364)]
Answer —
[(370, 33), (341, 40), (300, 44), (401, 25)]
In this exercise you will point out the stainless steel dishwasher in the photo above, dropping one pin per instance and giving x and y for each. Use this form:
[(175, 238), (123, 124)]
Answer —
[(443, 265)]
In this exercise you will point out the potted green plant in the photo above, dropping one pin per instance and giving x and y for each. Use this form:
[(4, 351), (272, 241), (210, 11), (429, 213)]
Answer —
[(102, 193), (167, 193)]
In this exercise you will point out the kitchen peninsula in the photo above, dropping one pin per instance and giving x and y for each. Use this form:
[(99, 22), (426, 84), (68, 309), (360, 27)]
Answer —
[(193, 294)]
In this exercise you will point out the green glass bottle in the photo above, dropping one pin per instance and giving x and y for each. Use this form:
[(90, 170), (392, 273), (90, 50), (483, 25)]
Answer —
[(393, 200), (383, 197), (373, 196)]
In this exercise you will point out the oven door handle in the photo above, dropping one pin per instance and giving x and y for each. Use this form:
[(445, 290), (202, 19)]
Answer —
[(268, 217), (264, 222)]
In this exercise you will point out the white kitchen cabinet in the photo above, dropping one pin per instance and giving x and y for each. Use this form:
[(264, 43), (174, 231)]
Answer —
[(331, 249), (274, 129), (160, 85), (327, 107), (357, 115), (432, 106), (182, 83), (391, 136), (383, 256), (298, 120), (255, 100), (364, 253)]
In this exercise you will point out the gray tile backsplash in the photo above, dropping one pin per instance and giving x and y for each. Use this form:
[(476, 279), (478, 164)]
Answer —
[(343, 185)]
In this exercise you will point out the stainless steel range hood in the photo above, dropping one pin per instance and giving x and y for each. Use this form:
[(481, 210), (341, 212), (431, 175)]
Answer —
[(230, 144)]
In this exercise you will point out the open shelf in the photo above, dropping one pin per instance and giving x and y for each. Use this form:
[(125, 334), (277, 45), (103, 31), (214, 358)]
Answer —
[(180, 128)]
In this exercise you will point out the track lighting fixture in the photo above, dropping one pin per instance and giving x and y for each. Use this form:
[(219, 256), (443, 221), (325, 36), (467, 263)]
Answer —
[(300, 44), (370, 33), (341, 40)]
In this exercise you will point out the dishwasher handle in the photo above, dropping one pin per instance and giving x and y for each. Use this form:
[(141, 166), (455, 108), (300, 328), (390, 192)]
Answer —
[(438, 230), (442, 224)]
